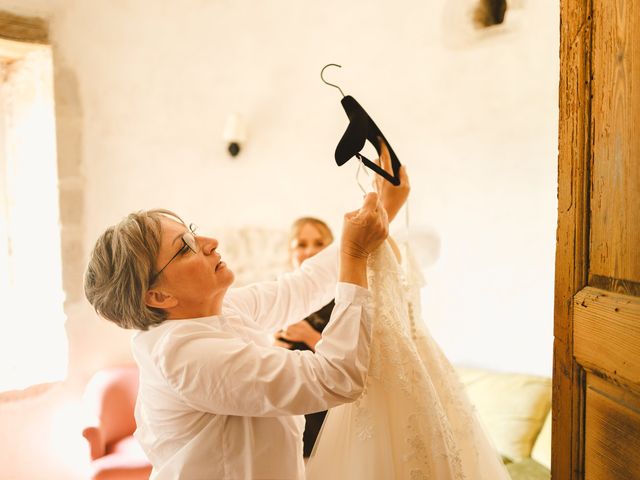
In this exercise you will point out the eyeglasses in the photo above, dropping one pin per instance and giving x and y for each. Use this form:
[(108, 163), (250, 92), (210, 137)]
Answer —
[(190, 244)]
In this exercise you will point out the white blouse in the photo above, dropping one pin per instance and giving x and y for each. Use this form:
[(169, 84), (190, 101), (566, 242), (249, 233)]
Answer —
[(218, 401)]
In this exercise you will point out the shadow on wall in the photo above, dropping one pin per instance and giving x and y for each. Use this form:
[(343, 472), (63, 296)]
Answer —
[(466, 22), (489, 12)]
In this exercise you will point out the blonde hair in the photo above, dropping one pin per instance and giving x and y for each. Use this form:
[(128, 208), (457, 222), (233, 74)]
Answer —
[(121, 267), (322, 227)]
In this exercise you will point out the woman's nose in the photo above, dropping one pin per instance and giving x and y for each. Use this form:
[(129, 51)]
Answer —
[(208, 245)]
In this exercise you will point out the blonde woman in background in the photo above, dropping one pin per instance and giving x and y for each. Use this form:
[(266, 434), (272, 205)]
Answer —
[(308, 236)]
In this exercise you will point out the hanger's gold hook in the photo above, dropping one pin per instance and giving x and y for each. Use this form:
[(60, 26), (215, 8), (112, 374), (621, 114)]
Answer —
[(331, 84)]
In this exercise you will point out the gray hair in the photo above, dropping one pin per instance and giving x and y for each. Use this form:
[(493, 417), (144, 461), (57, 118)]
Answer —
[(120, 269)]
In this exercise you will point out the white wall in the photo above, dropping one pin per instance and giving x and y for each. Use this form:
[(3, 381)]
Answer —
[(473, 120), (473, 116)]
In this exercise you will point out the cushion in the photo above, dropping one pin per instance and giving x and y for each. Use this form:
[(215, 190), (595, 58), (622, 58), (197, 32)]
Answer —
[(528, 469), (541, 452), (126, 461), (512, 407)]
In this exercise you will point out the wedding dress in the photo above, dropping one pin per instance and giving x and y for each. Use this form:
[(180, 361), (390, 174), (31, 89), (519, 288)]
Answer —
[(414, 420)]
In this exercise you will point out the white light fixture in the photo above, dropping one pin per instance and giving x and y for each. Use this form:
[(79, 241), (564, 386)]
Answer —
[(235, 133)]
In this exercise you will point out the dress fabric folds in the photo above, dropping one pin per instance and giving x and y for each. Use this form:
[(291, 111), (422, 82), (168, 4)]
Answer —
[(414, 420)]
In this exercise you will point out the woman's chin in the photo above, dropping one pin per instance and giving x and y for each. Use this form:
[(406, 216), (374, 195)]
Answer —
[(227, 273)]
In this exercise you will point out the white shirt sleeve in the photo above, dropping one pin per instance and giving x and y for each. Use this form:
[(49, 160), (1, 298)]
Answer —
[(292, 297), (229, 376)]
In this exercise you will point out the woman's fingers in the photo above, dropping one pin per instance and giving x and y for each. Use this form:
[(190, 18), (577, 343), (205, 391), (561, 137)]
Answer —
[(385, 157), (286, 345), (404, 178), (370, 202), (365, 228)]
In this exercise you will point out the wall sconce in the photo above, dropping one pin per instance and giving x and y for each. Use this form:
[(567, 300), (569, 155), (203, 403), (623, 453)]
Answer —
[(235, 133)]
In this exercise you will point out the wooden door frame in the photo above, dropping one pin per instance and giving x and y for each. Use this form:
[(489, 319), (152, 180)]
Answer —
[(23, 29), (572, 247)]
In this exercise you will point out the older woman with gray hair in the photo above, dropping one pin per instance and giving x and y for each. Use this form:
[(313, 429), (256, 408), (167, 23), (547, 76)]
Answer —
[(216, 398)]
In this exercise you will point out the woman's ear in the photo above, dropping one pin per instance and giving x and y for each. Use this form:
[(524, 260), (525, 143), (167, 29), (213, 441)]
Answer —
[(159, 299)]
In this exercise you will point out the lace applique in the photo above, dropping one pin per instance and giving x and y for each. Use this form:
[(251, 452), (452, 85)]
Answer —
[(363, 420), (418, 454)]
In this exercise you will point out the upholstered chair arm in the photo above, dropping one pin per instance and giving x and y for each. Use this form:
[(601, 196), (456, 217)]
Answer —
[(94, 435)]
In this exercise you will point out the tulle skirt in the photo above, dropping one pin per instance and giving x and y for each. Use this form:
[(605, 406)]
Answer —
[(414, 420)]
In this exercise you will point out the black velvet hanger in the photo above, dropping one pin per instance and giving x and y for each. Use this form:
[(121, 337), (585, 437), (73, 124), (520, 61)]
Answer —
[(360, 129)]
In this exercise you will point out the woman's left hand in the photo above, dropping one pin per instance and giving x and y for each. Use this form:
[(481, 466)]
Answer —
[(392, 197), (303, 332)]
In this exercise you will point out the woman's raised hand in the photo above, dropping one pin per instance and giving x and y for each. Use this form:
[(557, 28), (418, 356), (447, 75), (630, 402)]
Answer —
[(392, 197), (364, 229)]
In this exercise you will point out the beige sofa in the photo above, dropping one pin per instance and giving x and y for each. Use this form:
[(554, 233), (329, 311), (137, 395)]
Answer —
[(515, 410)]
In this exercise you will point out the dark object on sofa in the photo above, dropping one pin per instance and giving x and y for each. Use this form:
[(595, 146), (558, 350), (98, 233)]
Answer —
[(528, 469)]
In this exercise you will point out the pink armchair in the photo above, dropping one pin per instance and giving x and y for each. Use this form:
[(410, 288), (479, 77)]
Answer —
[(110, 398)]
